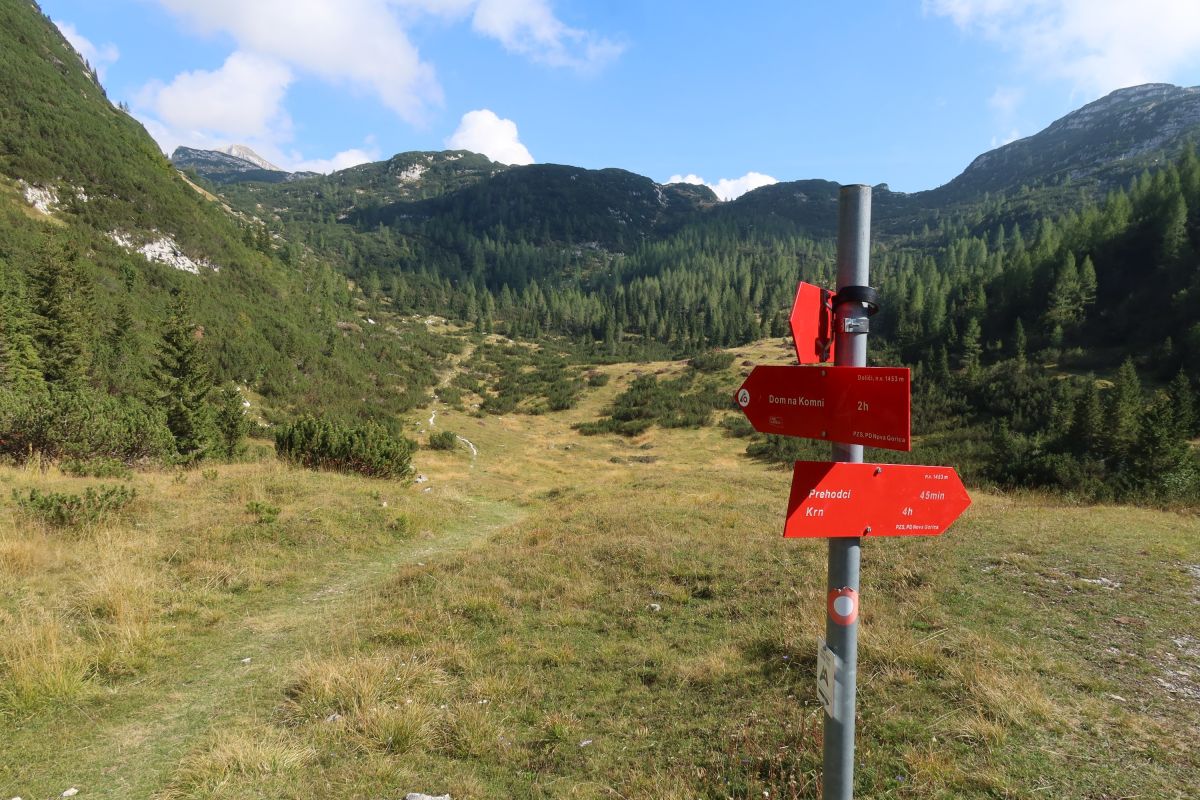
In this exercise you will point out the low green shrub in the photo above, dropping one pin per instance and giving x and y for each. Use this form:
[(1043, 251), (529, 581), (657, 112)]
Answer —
[(712, 361), (82, 425), (442, 440), (95, 468), (324, 444), (674, 403), (264, 513), (64, 510)]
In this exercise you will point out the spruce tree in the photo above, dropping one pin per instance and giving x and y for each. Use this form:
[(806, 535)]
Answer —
[(1087, 423), (20, 367), (1160, 451), (60, 304), (1020, 343), (1184, 398), (183, 383), (232, 422), (1123, 409)]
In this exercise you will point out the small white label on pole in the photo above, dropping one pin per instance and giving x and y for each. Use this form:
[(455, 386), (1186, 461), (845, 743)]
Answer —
[(828, 665)]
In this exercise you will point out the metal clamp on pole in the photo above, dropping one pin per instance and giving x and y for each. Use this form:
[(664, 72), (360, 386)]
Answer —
[(867, 295)]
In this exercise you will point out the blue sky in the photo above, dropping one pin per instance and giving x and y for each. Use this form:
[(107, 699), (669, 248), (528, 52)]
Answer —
[(736, 94)]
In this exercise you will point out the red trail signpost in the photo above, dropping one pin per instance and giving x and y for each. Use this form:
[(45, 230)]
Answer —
[(848, 405), (832, 499), (858, 405)]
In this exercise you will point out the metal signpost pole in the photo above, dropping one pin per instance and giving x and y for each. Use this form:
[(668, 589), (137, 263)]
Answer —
[(841, 623)]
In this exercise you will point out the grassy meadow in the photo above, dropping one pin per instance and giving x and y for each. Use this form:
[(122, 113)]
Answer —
[(562, 616)]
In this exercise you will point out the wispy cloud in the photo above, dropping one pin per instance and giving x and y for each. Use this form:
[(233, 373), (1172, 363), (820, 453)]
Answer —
[(1005, 99), (1000, 141), (526, 27), (100, 57), (1097, 45)]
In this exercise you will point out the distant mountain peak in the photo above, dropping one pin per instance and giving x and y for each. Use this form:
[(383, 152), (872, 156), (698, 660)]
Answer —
[(246, 154), (223, 166)]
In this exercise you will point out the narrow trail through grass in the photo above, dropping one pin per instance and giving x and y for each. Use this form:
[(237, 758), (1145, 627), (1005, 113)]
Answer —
[(128, 744)]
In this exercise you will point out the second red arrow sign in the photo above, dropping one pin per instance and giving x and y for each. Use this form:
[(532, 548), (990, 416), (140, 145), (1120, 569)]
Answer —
[(839, 499), (853, 405)]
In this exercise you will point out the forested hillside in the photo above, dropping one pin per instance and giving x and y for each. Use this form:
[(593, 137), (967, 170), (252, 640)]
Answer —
[(1005, 301), (94, 333), (1017, 322)]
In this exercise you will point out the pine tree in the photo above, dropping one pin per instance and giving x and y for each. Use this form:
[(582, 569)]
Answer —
[(1087, 423), (1064, 298), (183, 383), (232, 422), (1183, 396), (1087, 283), (1020, 343), (971, 347), (20, 367), (1159, 449), (1174, 235), (1123, 409), (59, 301), (119, 352)]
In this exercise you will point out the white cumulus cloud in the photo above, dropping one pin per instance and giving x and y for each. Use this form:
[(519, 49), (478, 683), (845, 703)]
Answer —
[(99, 57), (362, 45), (242, 100), (728, 188), (355, 42), (482, 131), (1097, 45)]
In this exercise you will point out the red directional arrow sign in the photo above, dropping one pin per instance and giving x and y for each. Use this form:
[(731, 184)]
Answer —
[(853, 405), (841, 499), (812, 324)]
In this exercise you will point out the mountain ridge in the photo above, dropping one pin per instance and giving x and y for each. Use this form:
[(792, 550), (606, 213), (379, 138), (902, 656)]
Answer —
[(1095, 148)]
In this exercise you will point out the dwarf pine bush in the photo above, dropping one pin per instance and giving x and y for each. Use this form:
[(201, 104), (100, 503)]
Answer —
[(64, 510), (324, 444)]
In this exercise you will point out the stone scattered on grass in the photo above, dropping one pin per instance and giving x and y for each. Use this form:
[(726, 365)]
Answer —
[(419, 796), (70, 792)]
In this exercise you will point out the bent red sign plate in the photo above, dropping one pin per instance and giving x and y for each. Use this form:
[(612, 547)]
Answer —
[(831, 500), (853, 405), (812, 324)]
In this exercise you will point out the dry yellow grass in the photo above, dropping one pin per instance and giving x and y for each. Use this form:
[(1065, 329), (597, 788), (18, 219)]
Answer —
[(554, 624)]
